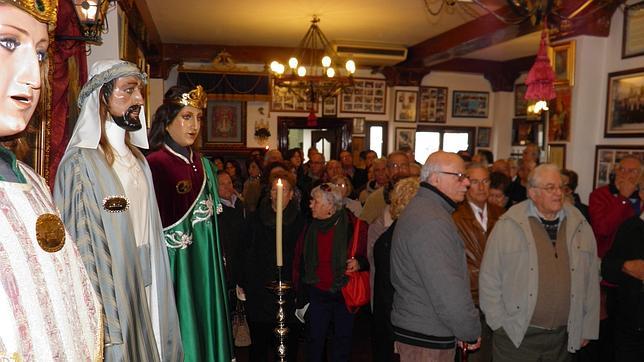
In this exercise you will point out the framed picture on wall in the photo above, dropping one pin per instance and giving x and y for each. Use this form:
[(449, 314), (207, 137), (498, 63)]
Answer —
[(330, 107), (433, 105), (557, 155), (562, 59), (483, 137), (559, 115), (624, 104), (358, 126), (367, 95), (406, 105), (468, 104), (225, 124), (527, 130), (607, 156), (520, 103), (633, 41), (406, 137), (288, 100)]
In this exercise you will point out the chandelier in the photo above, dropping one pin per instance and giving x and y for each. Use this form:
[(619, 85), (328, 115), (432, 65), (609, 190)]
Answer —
[(315, 71)]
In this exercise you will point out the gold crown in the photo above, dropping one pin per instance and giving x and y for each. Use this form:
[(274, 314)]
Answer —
[(195, 98), (43, 10)]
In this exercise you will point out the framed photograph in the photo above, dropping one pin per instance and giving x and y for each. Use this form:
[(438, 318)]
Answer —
[(607, 156), (368, 95), (559, 116), (433, 105), (557, 155), (225, 124), (633, 39), (624, 104), (330, 107), (405, 136), (358, 126), (483, 137), (520, 103), (288, 100), (470, 104), (406, 105), (562, 59), (527, 130)]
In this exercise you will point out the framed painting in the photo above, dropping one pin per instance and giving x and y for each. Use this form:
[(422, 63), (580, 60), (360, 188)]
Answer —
[(406, 105), (368, 95), (405, 137), (559, 116), (520, 103), (289, 100), (468, 104), (562, 59), (526, 130), (330, 107), (624, 104), (557, 155), (433, 105), (633, 36), (483, 137), (358, 126), (225, 124), (607, 156)]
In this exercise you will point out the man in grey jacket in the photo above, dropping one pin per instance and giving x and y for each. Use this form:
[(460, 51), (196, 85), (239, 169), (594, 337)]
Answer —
[(432, 306), (539, 279)]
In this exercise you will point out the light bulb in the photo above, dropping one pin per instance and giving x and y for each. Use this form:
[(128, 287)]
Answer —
[(280, 68), (326, 61), (540, 106), (330, 72), (274, 66), (301, 71), (351, 66), (292, 62)]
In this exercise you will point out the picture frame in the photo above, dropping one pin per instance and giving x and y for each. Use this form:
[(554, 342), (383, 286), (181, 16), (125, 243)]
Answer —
[(367, 95), (483, 136), (225, 124), (527, 130), (607, 156), (557, 155), (470, 104), (633, 45), (358, 126), (330, 107), (559, 115), (562, 59), (520, 103), (621, 119), (406, 106), (288, 100), (405, 136), (433, 105)]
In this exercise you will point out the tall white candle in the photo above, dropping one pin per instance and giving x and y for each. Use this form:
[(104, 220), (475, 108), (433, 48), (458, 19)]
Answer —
[(278, 223)]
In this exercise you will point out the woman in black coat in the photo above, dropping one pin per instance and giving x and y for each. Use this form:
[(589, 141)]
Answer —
[(260, 268)]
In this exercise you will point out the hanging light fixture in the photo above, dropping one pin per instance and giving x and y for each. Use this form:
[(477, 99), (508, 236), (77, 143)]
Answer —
[(91, 16), (541, 77), (315, 71)]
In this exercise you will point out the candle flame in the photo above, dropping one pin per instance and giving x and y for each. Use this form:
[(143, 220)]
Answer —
[(279, 182)]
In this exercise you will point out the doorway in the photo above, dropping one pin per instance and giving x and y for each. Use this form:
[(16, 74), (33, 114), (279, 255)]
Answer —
[(328, 135)]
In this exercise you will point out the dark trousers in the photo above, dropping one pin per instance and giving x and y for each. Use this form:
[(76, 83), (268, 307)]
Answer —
[(538, 345), (264, 341), (327, 308)]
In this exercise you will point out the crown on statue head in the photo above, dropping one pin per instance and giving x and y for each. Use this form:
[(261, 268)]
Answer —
[(43, 10), (195, 98)]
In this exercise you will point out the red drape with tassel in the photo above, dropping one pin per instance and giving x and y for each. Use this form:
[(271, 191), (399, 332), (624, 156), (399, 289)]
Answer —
[(70, 73), (540, 80)]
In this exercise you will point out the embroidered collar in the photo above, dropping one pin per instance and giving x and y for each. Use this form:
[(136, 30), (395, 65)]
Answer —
[(182, 157)]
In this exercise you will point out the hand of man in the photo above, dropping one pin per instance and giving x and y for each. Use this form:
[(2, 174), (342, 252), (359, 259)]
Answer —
[(634, 268), (352, 265), (470, 347), (626, 187), (584, 343)]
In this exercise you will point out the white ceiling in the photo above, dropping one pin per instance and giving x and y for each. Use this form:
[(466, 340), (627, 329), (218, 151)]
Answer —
[(284, 22)]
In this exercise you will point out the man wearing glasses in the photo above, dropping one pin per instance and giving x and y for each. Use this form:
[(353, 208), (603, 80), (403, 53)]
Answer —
[(539, 279), (432, 305)]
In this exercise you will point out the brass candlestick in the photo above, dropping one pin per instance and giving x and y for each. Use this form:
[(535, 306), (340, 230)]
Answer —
[(280, 288)]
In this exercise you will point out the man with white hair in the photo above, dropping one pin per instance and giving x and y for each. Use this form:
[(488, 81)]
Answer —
[(105, 193), (432, 304), (539, 279)]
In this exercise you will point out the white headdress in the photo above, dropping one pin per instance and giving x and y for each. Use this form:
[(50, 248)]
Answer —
[(87, 132)]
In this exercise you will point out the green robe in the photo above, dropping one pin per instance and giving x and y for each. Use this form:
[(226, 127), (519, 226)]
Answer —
[(197, 269)]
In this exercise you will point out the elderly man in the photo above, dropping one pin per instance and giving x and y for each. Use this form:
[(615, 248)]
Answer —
[(358, 176), (539, 279), (432, 306), (380, 178), (475, 219), (397, 168), (333, 169)]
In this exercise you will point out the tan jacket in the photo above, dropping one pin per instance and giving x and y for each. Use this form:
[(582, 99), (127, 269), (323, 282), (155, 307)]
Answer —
[(475, 238)]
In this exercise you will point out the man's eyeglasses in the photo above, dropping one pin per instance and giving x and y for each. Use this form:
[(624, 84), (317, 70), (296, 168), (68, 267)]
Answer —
[(461, 176), (552, 188)]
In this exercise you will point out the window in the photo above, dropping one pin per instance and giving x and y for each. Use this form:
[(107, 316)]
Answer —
[(376, 133), (430, 139)]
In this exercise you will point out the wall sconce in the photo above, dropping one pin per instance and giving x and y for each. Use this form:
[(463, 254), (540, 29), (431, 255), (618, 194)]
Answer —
[(92, 20)]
